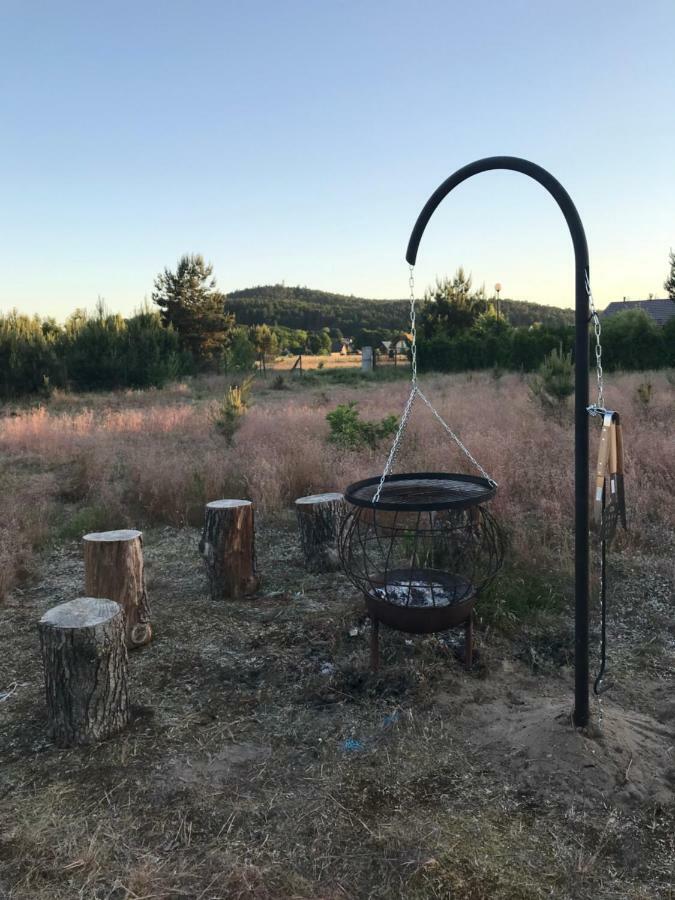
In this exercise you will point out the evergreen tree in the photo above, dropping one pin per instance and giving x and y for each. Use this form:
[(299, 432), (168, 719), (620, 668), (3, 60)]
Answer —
[(265, 342), (451, 306), (669, 283), (189, 301), (241, 353)]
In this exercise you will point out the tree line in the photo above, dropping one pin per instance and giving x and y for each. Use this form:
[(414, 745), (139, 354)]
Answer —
[(306, 309), (460, 328), (193, 327)]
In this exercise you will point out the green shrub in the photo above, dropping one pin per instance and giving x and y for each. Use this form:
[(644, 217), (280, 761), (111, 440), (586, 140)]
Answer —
[(227, 414), (645, 392), (631, 340), (348, 430), (554, 382)]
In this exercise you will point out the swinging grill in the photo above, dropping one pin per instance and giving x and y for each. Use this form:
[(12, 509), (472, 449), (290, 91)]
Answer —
[(608, 517), (424, 550), (421, 546)]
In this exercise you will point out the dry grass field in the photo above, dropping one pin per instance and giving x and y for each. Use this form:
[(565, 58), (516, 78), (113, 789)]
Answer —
[(264, 759), (331, 361)]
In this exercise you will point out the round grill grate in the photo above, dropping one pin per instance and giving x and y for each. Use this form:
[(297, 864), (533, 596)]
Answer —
[(422, 492)]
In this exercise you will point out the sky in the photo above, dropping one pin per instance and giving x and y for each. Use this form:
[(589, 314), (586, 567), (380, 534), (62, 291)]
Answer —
[(296, 141)]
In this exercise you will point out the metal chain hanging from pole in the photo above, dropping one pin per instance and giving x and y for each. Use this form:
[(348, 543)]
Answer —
[(414, 392), (413, 327), (599, 406), (599, 409)]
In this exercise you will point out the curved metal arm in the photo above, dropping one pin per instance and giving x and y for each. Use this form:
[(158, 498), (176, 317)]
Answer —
[(514, 164), (581, 476)]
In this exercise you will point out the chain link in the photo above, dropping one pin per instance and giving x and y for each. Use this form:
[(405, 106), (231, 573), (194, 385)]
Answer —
[(415, 391), (393, 453), (597, 328), (413, 327), (461, 446)]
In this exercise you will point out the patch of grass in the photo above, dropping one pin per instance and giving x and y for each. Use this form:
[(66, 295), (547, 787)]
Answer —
[(355, 377), (520, 595), (70, 526)]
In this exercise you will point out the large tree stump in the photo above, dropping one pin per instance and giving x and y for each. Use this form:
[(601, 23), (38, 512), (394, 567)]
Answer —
[(228, 548), (113, 568), (318, 521), (85, 662)]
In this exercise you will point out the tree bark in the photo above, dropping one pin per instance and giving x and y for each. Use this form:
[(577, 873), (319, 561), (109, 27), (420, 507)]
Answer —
[(113, 566), (318, 522), (85, 662), (228, 548)]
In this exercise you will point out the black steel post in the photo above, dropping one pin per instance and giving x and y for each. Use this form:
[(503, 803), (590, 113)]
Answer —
[(581, 474)]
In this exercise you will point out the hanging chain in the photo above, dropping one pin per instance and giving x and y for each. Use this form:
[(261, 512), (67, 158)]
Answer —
[(457, 440), (598, 409), (397, 442), (413, 327), (411, 399), (599, 406)]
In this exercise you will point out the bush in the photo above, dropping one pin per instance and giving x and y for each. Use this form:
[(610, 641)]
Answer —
[(348, 430), (554, 382), (227, 415), (99, 352), (106, 351), (29, 361), (631, 340), (241, 354)]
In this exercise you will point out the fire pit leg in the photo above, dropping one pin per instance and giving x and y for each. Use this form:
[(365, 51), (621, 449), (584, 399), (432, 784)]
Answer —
[(468, 642), (375, 645)]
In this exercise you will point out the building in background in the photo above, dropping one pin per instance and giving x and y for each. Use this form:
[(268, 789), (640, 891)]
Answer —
[(661, 311)]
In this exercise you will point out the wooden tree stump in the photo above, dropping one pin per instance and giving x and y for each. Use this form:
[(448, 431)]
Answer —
[(113, 568), (318, 521), (85, 662), (228, 548)]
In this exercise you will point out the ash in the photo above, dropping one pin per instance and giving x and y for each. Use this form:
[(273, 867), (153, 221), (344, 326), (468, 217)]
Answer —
[(417, 593)]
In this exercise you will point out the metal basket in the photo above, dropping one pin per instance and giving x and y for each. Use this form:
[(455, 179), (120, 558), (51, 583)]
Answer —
[(424, 550)]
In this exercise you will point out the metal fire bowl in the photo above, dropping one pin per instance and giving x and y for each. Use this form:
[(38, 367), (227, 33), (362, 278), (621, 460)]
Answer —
[(422, 619)]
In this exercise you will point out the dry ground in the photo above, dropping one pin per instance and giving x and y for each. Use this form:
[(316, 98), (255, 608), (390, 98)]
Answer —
[(265, 761)]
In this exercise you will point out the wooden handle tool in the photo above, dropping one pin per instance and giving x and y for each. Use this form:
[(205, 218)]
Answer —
[(620, 490), (601, 468), (612, 462)]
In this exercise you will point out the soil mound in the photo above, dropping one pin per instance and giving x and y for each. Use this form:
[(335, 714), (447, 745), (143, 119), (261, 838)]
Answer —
[(626, 758)]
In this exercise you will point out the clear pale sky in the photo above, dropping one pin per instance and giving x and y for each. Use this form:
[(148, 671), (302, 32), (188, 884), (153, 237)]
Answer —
[(297, 142)]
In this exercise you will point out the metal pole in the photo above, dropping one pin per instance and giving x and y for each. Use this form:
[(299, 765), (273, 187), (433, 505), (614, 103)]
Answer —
[(581, 474)]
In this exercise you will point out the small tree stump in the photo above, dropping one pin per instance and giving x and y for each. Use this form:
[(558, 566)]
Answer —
[(228, 548), (318, 521), (113, 568), (85, 662)]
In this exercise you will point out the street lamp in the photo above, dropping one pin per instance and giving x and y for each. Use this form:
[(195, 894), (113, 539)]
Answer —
[(498, 288)]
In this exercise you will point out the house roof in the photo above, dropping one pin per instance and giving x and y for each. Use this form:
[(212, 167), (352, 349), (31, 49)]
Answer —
[(659, 310)]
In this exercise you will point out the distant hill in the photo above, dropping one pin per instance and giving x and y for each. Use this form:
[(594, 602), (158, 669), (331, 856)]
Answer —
[(311, 310), (522, 312)]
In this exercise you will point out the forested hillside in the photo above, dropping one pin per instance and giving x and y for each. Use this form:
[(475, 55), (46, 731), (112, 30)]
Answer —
[(311, 310)]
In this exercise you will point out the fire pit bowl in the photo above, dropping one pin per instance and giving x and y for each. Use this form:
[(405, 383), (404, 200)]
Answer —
[(423, 549)]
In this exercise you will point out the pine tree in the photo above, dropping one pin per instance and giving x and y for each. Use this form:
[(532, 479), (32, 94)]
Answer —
[(189, 301), (669, 283), (451, 306)]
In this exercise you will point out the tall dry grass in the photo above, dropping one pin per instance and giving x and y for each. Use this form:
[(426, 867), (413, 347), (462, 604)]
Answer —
[(156, 457)]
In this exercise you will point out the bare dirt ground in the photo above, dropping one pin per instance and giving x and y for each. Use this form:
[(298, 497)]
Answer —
[(266, 761)]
